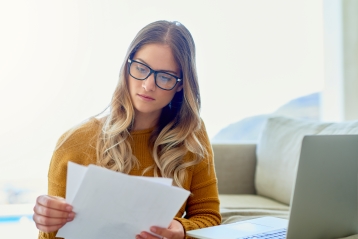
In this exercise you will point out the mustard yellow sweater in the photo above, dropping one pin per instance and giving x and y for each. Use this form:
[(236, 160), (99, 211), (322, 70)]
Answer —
[(201, 208)]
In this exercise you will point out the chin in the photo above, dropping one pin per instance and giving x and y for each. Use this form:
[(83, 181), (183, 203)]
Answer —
[(145, 110)]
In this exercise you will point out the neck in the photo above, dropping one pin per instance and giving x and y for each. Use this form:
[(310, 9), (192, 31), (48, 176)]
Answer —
[(145, 121)]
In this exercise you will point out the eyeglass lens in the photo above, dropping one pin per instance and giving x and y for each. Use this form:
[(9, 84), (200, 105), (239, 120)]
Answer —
[(141, 72)]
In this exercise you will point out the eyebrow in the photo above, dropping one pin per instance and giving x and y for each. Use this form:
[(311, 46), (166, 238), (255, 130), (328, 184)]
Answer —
[(169, 71)]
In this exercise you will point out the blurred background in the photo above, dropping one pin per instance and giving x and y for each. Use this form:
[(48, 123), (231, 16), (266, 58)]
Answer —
[(60, 60)]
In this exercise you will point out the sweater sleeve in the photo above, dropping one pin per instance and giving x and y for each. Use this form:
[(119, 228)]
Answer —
[(56, 182), (56, 185), (76, 148), (202, 206)]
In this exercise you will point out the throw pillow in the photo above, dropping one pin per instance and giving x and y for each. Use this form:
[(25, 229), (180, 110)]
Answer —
[(278, 151)]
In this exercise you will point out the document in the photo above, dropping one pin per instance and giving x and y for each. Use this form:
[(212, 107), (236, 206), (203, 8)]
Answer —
[(114, 205)]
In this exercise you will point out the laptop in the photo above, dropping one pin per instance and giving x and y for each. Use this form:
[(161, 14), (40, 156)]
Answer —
[(324, 203)]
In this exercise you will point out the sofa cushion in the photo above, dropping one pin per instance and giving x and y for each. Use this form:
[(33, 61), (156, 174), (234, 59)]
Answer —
[(278, 151), (235, 208), (235, 163), (249, 201)]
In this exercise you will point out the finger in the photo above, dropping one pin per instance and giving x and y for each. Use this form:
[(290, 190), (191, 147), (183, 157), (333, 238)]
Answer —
[(52, 213), (147, 235), (48, 221), (164, 232), (139, 237), (54, 203)]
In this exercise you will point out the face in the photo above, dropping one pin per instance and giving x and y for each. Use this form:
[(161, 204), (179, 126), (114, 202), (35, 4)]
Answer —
[(146, 96)]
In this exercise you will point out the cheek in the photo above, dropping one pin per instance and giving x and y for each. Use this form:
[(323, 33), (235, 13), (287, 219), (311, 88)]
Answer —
[(133, 84), (169, 96)]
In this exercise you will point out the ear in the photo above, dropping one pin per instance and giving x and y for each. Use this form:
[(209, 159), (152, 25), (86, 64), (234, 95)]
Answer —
[(180, 87)]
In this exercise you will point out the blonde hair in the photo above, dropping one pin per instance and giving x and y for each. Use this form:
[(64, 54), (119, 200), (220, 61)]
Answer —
[(177, 131)]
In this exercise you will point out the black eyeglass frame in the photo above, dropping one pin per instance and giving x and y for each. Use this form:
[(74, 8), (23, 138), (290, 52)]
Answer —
[(130, 61)]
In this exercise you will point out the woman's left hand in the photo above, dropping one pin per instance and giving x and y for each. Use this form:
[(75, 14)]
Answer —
[(174, 231)]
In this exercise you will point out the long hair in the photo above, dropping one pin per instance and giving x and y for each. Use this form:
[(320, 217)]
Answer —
[(176, 133)]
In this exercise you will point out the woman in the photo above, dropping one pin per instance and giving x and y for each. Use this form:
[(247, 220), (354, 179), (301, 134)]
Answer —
[(153, 129)]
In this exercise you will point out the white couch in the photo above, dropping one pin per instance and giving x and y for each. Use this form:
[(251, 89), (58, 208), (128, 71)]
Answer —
[(257, 179)]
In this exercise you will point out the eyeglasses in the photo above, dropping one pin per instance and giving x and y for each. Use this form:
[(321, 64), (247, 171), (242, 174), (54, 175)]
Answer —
[(162, 79)]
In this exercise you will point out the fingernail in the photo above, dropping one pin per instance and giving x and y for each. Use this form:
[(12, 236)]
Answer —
[(68, 208), (152, 229), (70, 216), (143, 235)]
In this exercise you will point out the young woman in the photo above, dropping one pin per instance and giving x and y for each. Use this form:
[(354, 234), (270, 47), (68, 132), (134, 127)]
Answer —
[(153, 129)]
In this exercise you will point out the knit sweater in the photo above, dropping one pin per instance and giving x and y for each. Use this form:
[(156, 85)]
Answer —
[(201, 208)]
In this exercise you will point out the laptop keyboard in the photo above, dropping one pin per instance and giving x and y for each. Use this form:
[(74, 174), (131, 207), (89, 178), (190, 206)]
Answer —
[(277, 234)]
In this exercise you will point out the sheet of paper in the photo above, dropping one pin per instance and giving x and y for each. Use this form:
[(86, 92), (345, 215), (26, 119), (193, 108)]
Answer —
[(165, 181), (114, 205), (76, 172), (75, 175)]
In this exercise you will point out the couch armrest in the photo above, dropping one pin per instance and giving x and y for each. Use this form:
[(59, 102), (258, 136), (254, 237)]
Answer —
[(235, 166)]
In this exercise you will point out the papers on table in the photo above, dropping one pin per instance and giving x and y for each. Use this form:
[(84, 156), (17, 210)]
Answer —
[(110, 205)]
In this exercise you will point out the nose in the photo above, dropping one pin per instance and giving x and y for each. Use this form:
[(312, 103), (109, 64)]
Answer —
[(149, 83)]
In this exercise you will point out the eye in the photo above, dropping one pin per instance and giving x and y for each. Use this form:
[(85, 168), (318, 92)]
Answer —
[(141, 69), (165, 78)]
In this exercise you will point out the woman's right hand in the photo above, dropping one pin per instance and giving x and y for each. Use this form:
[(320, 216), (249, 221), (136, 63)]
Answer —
[(51, 213)]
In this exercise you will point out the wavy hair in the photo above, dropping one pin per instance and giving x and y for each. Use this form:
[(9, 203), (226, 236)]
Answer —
[(176, 133)]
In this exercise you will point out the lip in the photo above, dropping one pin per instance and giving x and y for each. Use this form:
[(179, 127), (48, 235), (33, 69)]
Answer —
[(145, 97)]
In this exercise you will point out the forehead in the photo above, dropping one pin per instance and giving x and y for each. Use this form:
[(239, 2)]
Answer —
[(158, 57)]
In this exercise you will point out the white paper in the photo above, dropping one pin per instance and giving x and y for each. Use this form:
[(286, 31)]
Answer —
[(110, 205), (165, 181), (75, 175)]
